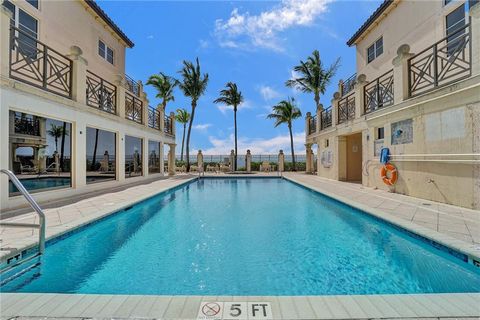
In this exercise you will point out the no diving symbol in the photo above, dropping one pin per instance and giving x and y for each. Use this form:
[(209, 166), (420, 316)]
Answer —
[(211, 309)]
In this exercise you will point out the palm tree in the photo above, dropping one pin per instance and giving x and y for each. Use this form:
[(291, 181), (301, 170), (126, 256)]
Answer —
[(193, 85), (231, 97), (55, 132), (62, 148), (285, 112), (312, 77), (182, 117), (165, 86)]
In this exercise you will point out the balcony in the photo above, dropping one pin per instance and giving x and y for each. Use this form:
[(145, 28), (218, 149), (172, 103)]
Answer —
[(326, 118), (168, 125), (379, 93), (348, 85), (445, 62), (133, 108), (154, 118), (101, 94), (312, 125), (37, 64), (346, 108), (132, 85)]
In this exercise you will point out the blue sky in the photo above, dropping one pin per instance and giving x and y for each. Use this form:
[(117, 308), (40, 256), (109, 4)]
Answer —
[(253, 43)]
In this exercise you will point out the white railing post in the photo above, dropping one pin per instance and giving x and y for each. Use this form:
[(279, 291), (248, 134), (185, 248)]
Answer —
[(335, 100), (359, 96), (120, 88), (319, 118), (400, 74), (307, 123), (172, 123), (79, 75)]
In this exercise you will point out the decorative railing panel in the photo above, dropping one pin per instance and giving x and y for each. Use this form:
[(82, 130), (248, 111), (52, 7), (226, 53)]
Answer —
[(168, 127), (132, 86), (349, 84), (445, 62), (326, 118), (133, 108), (153, 118), (312, 125), (101, 94), (379, 92), (346, 108), (27, 125), (35, 63)]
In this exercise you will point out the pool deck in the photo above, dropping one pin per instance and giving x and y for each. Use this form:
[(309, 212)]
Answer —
[(456, 227)]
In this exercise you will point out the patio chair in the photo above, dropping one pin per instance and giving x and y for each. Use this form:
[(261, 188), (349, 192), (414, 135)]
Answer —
[(265, 166)]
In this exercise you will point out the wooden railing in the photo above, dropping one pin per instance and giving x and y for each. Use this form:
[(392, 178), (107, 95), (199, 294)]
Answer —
[(346, 108), (312, 125), (153, 118), (441, 64), (101, 94), (37, 64), (133, 108), (379, 93)]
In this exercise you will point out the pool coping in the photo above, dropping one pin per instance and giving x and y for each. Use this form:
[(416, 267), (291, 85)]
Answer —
[(389, 306), (428, 234)]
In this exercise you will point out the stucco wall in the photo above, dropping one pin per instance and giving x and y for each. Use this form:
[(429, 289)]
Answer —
[(416, 23), (62, 24)]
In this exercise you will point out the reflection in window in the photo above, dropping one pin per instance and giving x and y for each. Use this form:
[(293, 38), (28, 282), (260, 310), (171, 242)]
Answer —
[(101, 155), (133, 157), (40, 150), (153, 156)]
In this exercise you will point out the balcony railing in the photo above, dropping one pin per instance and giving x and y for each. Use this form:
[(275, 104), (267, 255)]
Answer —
[(35, 63), (346, 108), (132, 86), (27, 125), (153, 118), (326, 118), (101, 94), (379, 92), (133, 108), (168, 127), (312, 125), (446, 61), (349, 84)]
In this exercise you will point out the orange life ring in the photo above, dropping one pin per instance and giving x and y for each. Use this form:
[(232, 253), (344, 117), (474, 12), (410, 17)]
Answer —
[(389, 168)]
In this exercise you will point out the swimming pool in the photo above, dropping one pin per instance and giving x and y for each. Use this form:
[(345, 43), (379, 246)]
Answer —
[(244, 237), (33, 184)]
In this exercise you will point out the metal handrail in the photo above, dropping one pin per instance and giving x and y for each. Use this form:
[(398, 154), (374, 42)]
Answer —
[(34, 205)]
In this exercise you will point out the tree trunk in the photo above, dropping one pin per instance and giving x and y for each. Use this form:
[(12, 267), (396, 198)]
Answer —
[(317, 101), (235, 125), (183, 140), (62, 147), (92, 167), (194, 104), (294, 167), (56, 143)]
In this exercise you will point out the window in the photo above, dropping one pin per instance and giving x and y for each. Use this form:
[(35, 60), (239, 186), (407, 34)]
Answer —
[(375, 50), (22, 20), (33, 3), (153, 156), (380, 133), (455, 21), (133, 156), (101, 155), (105, 52)]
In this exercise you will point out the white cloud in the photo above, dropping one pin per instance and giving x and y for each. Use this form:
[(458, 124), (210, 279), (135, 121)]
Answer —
[(246, 104), (202, 127), (203, 44), (150, 36), (243, 30), (268, 93), (256, 145)]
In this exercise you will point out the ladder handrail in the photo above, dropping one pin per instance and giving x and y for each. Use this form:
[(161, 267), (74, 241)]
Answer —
[(34, 205)]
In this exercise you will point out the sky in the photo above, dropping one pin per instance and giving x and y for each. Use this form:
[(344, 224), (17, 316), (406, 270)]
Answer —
[(253, 43)]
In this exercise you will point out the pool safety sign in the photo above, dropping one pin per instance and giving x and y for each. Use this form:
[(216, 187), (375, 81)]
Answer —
[(234, 310)]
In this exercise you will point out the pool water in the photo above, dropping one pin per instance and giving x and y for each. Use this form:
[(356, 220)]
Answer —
[(244, 237), (32, 184)]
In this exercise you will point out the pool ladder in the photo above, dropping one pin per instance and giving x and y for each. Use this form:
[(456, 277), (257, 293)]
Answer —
[(39, 212)]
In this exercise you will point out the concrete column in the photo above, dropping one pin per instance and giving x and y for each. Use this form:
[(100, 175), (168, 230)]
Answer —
[(340, 87), (162, 118), (172, 119), (120, 103), (145, 153), (341, 157), (281, 161), (79, 154), (145, 102), (475, 25), (319, 117), (248, 161), (400, 73), (200, 161), (309, 168), (232, 160), (307, 123), (120, 156), (335, 100), (359, 96), (162, 162), (171, 160), (79, 75), (5, 17)]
